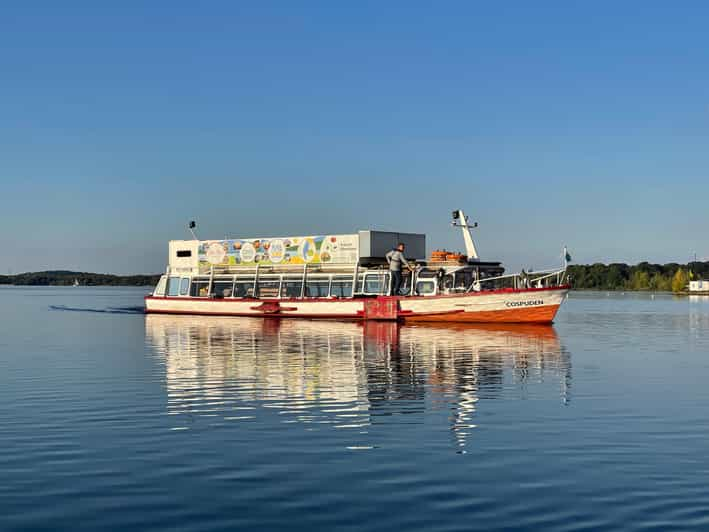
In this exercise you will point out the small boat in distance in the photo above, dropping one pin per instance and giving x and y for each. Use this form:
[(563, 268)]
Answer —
[(75, 283), (345, 277)]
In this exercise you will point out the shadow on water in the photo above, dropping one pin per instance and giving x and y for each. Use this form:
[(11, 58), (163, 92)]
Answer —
[(107, 310), (351, 375)]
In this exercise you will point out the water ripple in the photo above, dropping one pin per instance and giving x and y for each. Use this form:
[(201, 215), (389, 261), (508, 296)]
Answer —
[(115, 420)]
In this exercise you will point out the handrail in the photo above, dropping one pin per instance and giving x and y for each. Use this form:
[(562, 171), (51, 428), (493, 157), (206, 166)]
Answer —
[(278, 268), (552, 274), (255, 289), (527, 274), (305, 272), (355, 276), (529, 278)]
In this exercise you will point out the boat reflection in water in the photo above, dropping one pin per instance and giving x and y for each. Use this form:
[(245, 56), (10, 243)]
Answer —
[(351, 375)]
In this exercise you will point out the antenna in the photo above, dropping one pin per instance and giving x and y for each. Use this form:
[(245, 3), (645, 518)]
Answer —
[(191, 227), (461, 220)]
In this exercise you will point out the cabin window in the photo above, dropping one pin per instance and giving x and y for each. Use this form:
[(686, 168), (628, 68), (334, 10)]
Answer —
[(376, 283), (291, 286), (160, 288), (462, 280), (199, 287), (222, 288), (447, 282), (317, 287), (268, 288), (425, 287), (341, 286), (405, 289), (185, 286), (244, 287), (173, 286), (184, 253)]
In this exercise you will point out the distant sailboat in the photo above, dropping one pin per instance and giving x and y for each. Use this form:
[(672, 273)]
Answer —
[(76, 282)]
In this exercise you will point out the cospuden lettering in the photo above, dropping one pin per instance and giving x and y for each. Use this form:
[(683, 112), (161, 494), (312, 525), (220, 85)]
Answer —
[(532, 303)]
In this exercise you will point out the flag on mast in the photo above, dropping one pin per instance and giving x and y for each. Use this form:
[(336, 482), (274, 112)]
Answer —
[(567, 256)]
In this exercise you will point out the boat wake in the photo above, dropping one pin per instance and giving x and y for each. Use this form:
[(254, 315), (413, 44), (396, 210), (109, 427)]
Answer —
[(107, 310)]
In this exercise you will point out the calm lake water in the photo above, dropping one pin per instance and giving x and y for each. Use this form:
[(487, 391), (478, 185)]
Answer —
[(111, 420)]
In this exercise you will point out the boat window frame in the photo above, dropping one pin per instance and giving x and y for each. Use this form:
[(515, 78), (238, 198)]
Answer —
[(384, 287), (427, 281), (269, 278), (344, 279), (318, 278), (221, 280), (196, 282), (186, 291), (293, 278), (161, 287), (327, 283), (244, 279), (169, 285)]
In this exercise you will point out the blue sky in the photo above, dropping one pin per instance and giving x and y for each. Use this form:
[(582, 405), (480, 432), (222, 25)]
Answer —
[(551, 123)]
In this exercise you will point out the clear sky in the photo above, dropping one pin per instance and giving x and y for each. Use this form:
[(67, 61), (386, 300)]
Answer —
[(551, 123)]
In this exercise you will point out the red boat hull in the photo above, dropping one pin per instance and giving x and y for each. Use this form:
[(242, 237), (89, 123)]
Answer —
[(535, 305)]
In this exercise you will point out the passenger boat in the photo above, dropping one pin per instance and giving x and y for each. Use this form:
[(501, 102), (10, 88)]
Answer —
[(346, 277)]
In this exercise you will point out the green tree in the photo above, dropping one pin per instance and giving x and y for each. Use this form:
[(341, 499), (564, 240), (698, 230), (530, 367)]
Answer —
[(663, 284), (679, 281), (640, 280)]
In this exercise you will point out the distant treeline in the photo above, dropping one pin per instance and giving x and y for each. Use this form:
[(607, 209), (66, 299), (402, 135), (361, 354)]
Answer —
[(66, 278), (644, 276)]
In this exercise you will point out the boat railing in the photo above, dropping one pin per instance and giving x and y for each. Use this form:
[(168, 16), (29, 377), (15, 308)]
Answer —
[(340, 281), (288, 281), (522, 280), (233, 269)]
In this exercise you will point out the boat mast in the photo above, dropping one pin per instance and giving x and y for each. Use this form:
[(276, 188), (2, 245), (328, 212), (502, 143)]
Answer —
[(461, 220)]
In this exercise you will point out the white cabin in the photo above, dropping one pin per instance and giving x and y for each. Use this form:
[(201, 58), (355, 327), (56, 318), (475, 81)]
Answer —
[(699, 286)]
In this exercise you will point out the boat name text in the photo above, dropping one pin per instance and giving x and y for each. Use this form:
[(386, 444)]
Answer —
[(532, 303)]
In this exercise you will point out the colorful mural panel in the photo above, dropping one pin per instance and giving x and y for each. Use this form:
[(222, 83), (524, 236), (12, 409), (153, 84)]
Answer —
[(316, 249)]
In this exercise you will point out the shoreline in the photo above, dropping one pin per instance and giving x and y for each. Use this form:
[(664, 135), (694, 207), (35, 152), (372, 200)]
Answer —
[(129, 285), (80, 286), (73, 278), (667, 292)]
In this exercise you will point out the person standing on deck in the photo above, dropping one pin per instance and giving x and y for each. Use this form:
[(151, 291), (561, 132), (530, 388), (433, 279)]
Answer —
[(396, 258)]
